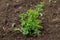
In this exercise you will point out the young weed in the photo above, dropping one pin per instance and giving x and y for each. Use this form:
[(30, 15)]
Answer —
[(29, 21)]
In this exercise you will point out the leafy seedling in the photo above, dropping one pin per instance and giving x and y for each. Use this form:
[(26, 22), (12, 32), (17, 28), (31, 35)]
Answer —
[(29, 21)]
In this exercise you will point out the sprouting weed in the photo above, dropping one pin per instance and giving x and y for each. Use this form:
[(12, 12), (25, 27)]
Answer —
[(29, 21)]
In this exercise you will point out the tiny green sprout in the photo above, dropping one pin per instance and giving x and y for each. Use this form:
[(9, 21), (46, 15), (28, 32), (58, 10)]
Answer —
[(29, 21)]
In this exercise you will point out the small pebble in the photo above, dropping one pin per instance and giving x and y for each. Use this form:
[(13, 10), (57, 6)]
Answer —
[(13, 24), (7, 4)]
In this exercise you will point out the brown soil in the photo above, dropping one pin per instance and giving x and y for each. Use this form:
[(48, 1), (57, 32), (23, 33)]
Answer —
[(10, 9)]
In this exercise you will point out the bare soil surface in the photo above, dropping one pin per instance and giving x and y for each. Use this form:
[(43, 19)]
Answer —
[(9, 19)]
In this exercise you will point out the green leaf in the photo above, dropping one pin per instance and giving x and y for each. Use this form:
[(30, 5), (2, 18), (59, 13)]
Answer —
[(17, 29), (30, 11), (40, 27), (25, 31), (37, 32), (23, 22)]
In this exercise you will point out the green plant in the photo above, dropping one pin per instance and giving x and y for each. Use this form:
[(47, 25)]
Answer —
[(29, 21)]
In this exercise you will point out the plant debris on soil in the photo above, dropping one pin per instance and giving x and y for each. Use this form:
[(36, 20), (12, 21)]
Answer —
[(9, 19)]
